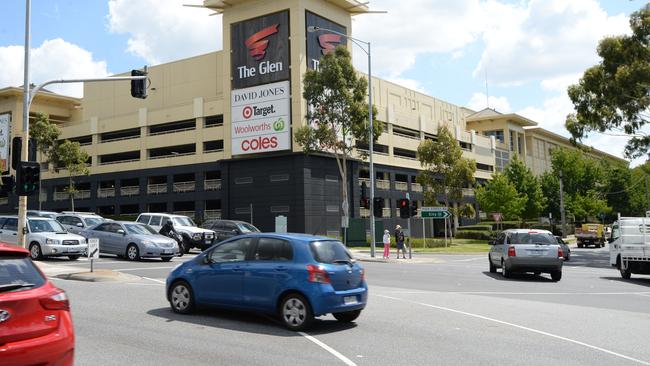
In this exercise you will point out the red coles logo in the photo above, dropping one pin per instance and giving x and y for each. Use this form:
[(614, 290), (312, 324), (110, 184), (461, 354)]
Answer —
[(259, 143), (328, 42), (257, 44)]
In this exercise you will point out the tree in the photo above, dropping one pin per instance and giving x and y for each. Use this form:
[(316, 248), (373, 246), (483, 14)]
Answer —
[(615, 94), (618, 189), (46, 134), (445, 172), (70, 156), (527, 186), (337, 115), (500, 195)]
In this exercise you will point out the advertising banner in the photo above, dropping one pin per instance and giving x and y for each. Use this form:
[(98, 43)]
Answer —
[(5, 125), (261, 119), (260, 50), (322, 41)]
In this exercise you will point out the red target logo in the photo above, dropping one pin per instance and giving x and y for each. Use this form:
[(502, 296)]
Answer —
[(247, 112)]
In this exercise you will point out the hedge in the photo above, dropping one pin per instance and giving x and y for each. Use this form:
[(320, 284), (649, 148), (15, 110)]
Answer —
[(475, 228), (475, 234)]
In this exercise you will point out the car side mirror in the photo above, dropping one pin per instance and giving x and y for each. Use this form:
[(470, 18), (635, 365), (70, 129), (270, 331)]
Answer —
[(235, 231), (206, 260), (120, 231), (80, 224), (492, 242)]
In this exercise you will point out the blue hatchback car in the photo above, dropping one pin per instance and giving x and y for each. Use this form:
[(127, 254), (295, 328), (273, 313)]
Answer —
[(296, 276)]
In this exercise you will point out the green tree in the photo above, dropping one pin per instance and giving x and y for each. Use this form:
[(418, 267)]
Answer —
[(614, 95), (500, 195), (445, 171), (550, 185), (618, 189), (337, 115), (528, 186), (46, 134), (73, 159)]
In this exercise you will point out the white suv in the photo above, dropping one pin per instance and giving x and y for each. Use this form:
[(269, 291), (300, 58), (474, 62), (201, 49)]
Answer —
[(76, 222), (192, 236), (45, 238)]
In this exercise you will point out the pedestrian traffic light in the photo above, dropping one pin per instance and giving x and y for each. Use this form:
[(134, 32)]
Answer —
[(139, 87), (404, 208), (414, 208), (7, 184), (378, 207), (28, 176), (17, 149)]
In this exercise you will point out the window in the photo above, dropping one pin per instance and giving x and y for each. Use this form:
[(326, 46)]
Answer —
[(74, 220), (155, 220), (616, 232), (330, 252), (20, 271), (231, 252), (113, 228), (229, 226), (214, 121), (103, 227), (144, 219), (90, 221), (531, 238), (498, 135), (210, 146), (270, 249), (41, 226), (11, 224), (512, 140), (2, 221)]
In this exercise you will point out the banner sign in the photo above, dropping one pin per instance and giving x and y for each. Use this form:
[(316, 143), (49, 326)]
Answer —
[(261, 119), (260, 50), (5, 125), (321, 42)]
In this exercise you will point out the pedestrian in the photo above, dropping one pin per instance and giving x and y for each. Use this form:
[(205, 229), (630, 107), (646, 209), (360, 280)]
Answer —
[(168, 230), (386, 244), (399, 240)]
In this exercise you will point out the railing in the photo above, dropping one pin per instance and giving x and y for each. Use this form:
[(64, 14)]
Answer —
[(170, 155), (119, 161), (212, 184), (4, 200), (184, 186), (130, 191), (102, 141), (401, 186), (211, 151), (405, 135), (385, 212), (416, 187), (157, 188), (468, 192), (61, 196), (189, 214), (383, 184), (364, 212), (106, 192), (364, 180), (171, 131), (82, 195), (211, 214)]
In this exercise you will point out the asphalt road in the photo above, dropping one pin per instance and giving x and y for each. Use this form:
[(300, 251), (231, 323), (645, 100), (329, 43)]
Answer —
[(453, 312)]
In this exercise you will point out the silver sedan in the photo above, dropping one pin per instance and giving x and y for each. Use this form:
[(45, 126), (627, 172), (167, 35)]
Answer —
[(132, 240)]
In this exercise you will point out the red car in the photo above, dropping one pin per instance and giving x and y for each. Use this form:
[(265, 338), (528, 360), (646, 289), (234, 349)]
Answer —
[(35, 322)]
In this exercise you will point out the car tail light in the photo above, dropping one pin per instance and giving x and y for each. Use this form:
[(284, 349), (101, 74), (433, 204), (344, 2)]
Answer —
[(317, 274), (56, 300), (560, 252), (511, 251)]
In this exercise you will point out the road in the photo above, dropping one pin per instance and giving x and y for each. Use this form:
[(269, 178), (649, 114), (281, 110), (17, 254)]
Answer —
[(453, 312)]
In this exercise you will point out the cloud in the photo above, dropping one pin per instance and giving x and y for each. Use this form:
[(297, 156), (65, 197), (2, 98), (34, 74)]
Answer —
[(478, 100), (50, 61), (163, 31)]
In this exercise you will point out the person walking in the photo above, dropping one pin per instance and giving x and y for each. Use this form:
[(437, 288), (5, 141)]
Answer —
[(386, 244), (399, 240)]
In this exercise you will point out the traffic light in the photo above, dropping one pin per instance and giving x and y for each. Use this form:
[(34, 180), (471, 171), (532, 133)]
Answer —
[(17, 149), (28, 176), (378, 207), (414, 208), (404, 208), (7, 184), (139, 87)]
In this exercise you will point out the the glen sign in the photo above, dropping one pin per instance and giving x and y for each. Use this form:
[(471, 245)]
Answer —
[(261, 119), (434, 212), (260, 50), (322, 41)]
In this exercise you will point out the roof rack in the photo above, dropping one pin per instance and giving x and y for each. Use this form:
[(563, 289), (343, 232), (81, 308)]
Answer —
[(78, 212)]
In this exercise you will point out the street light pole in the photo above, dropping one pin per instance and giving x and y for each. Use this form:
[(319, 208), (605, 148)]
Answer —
[(371, 132), (22, 200)]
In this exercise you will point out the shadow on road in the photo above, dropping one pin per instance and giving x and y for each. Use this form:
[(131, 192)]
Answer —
[(247, 322), (589, 258), (634, 281), (521, 277)]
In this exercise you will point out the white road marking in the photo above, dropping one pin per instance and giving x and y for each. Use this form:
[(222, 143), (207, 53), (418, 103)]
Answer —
[(532, 330), (140, 269), (329, 349), (468, 260), (154, 280), (518, 293)]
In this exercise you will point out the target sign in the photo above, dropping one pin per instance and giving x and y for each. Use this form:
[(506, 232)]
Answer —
[(247, 112)]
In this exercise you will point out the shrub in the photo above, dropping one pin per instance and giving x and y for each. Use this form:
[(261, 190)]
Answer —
[(475, 228), (475, 234)]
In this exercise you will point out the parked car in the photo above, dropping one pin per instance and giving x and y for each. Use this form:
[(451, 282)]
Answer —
[(48, 214), (35, 322), (132, 240), (226, 229), (565, 247), (76, 222), (45, 238), (523, 250), (294, 276), (192, 236)]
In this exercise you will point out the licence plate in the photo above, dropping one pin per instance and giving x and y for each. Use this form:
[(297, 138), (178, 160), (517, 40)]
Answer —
[(347, 300), (167, 251)]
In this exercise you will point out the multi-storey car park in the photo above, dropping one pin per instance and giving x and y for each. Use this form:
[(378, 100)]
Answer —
[(190, 148)]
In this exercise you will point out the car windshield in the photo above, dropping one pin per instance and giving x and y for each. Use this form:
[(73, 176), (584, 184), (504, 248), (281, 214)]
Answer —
[(18, 273), (45, 226), (137, 229), (183, 221), (248, 228), (532, 238), (91, 221), (330, 251)]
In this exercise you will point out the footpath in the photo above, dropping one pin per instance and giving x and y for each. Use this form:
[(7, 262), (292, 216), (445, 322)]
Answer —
[(421, 258), (83, 274)]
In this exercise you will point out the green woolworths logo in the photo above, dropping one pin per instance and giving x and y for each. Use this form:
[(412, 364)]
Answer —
[(278, 125)]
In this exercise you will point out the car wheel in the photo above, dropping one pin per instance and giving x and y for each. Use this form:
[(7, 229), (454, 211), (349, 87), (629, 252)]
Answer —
[(556, 275), (181, 298), (493, 268), (187, 245), (505, 271), (74, 257), (348, 316), (296, 312), (35, 251), (166, 259), (132, 252), (626, 274)]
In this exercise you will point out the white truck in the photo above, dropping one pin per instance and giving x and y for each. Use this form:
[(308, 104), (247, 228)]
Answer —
[(629, 246)]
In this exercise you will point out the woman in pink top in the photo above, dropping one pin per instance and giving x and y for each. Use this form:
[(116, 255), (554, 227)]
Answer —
[(386, 244)]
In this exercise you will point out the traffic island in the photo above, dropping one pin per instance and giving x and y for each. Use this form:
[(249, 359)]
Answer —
[(100, 275)]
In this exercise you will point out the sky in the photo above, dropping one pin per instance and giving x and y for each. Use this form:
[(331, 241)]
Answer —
[(522, 53)]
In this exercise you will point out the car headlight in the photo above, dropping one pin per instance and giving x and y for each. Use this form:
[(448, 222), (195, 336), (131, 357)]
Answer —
[(196, 236), (52, 241), (148, 243)]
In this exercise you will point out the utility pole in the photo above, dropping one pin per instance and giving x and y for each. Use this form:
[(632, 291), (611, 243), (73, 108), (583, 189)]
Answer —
[(562, 214), (647, 196), (22, 200)]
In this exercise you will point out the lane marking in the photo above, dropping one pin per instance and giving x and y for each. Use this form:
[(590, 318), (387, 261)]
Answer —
[(140, 269), (329, 349), (518, 293), (532, 330), (154, 280)]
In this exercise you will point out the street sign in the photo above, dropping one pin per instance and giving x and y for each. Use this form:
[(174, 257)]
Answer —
[(434, 212), (93, 248)]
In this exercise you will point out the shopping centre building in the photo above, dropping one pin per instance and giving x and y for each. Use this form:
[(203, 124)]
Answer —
[(214, 138)]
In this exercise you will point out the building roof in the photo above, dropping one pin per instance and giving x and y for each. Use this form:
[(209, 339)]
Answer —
[(488, 113), (352, 6), (43, 94)]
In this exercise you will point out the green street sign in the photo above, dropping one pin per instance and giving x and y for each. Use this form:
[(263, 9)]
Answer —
[(435, 214)]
